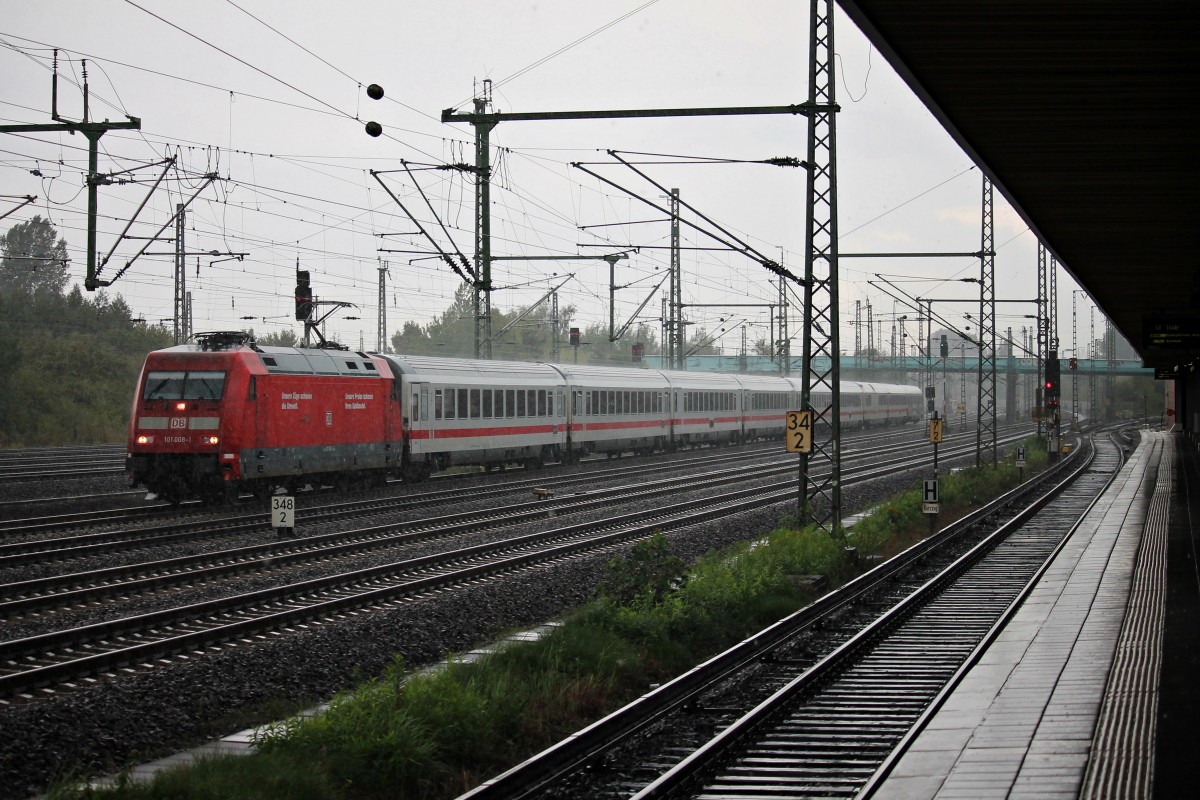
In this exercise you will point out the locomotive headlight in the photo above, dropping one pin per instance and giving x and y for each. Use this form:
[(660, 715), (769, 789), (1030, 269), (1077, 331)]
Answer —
[(181, 406), (144, 439), (211, 440)]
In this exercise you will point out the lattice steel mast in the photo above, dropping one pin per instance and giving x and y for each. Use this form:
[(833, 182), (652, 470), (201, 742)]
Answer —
[(1043, 333), (482, 305), (985, 431), (675, 328), (821, 486)]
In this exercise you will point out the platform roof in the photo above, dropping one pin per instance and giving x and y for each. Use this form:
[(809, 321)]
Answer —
[(1081, 113)]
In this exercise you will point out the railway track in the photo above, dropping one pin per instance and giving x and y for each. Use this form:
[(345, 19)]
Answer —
[(94, 585), (61, 462), (63, 658), (19, 516), (31, 539), (813, 706)]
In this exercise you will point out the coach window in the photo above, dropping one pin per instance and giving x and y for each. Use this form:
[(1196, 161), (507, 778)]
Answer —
[(487, 403), (450, 404), (464, 403), (437, 403)]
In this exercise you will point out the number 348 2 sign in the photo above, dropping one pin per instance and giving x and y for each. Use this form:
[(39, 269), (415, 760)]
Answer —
[(798, 430)]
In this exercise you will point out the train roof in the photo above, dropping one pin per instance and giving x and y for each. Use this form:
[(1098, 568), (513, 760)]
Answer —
[(883, 388), (314, 361), (276, 360), (468, 368), (611, 376)]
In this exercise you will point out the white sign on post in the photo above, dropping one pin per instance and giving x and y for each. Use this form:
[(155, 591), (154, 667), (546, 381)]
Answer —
[(1020, 456), (929, 500), (283, 511)]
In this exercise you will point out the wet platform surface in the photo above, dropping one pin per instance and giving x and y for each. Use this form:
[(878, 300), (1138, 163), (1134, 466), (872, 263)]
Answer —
[(1091, 690)]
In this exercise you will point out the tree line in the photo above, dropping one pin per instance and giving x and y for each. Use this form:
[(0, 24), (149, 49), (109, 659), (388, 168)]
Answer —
[(69, 362)]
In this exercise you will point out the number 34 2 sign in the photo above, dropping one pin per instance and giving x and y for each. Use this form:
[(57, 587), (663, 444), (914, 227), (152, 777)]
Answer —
[(798, 430)]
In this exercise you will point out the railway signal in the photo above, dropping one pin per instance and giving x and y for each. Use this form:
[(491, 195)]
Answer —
[(1053, 380), (304, 296)]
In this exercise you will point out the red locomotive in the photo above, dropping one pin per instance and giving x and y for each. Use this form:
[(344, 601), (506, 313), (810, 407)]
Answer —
[(224, 415)]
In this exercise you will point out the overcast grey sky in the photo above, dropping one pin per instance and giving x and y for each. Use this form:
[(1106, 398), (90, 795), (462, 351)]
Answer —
[(271, 95)]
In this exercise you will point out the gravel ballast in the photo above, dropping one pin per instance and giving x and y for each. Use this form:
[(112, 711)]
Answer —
[(149, 713)]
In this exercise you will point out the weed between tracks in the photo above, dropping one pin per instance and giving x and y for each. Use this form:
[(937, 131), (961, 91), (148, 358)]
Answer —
[(436, 734)]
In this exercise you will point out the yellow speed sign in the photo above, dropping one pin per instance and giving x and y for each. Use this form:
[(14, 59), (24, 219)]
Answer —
[(935, 430), (798, 430)]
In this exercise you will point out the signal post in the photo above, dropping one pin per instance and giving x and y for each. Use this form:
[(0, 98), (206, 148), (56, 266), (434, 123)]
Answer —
[(1053, 388), (930, 500)]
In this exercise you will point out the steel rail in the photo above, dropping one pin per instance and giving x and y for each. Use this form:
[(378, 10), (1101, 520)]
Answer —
[(60, 590), (884, 656), (305, 600)]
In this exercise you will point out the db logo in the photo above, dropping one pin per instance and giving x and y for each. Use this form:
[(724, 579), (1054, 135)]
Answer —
[(178, 422)]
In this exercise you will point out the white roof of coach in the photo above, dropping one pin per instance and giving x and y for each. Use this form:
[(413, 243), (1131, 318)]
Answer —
[(469, 370), (716, 381), (599, 375)]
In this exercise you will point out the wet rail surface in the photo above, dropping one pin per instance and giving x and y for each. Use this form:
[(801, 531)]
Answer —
[(138, 577), (59, 660), (59, 462), (812, 706), (826, 733)]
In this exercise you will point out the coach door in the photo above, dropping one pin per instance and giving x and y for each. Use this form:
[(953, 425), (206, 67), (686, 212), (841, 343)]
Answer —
[(418, 415), (673, 409)]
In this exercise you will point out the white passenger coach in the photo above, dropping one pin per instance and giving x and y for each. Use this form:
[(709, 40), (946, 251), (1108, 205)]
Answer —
[(492, 413)]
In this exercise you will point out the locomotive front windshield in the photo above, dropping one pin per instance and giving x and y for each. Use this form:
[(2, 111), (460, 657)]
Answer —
[(180, 385)]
